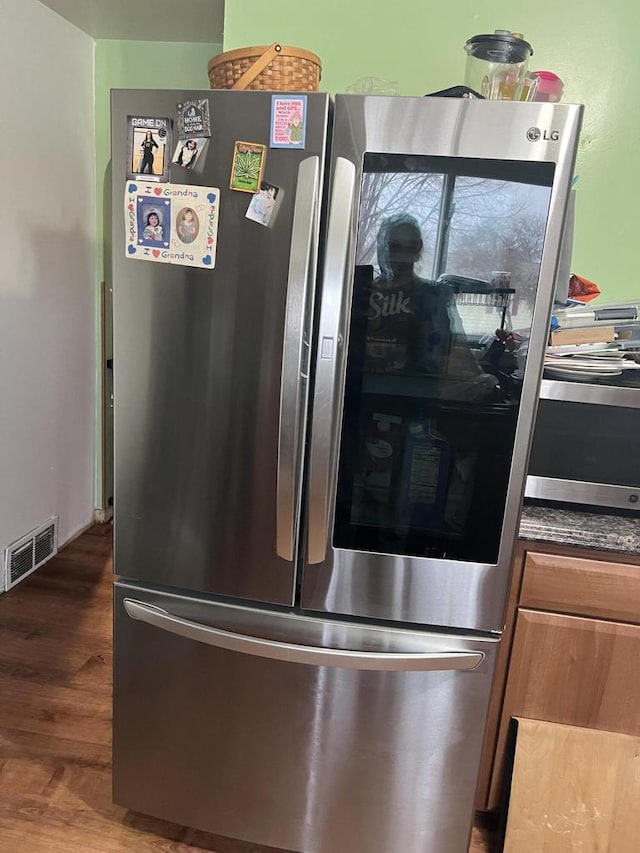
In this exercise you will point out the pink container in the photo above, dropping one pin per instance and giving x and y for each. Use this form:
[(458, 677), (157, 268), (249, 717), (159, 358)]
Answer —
[(550, 86)]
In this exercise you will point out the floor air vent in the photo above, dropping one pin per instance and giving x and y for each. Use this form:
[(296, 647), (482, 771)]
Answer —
[(28, 553)]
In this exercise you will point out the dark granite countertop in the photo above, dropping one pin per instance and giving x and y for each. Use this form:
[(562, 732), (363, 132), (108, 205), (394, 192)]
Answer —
[(605, 532)]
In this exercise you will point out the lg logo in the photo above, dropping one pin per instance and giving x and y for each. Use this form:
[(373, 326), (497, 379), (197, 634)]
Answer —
[(534, 134)]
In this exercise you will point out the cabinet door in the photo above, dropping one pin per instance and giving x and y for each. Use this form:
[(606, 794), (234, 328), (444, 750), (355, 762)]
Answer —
[(573, 789), (564, 669)]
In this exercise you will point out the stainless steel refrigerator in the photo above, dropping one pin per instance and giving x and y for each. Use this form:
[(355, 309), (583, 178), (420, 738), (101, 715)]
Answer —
[(320, 454)]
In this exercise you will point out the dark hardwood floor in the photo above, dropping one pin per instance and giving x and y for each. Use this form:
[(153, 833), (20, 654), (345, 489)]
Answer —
[(55, 719)]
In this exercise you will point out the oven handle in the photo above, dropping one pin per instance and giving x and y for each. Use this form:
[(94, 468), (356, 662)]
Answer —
[(582, 492), (296, 653)]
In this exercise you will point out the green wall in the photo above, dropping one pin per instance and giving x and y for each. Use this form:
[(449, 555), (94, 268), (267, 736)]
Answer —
[(420, 45)]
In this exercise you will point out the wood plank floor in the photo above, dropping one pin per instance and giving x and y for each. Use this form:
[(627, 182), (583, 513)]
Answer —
[(55, 720)]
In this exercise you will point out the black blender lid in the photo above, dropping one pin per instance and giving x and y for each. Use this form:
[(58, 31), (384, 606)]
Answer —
[(499, 47)]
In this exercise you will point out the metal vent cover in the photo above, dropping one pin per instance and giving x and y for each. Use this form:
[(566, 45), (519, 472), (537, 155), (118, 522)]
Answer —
[(29, 552), (20, 561), (44, 545)]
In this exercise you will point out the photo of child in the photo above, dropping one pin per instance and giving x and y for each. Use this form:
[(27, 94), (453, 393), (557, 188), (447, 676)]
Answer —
[(152, 222), (263, 203), (187, 152), (147, 141), (187, 225), (147, 146), (148, 153)]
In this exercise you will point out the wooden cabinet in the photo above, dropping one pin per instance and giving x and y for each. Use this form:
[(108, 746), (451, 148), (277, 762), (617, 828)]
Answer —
[(573, 789), (583, 672), (571, 650)]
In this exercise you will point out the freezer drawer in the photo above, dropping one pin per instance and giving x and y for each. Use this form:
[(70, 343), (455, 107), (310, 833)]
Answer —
[(296, 732)]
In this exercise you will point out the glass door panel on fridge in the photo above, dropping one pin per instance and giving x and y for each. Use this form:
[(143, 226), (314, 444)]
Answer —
[(444, 294), (211, 366), (434, 376)]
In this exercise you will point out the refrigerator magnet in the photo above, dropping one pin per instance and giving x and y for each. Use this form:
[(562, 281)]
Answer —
[(262, 205), (188, 151), (148, 148), (288, 121), (172, 223), (193, 119), (248, 165)]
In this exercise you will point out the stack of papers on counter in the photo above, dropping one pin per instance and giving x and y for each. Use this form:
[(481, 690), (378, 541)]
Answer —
[(587, 362), (594, 343)]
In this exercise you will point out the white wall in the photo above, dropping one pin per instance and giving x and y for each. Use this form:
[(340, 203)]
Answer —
[(47, 272)]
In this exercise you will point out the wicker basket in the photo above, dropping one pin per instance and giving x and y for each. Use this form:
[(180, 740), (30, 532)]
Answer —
[(275, 67)]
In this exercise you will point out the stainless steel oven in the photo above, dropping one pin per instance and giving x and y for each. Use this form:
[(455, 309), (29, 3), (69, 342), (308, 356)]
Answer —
[(586, 445)]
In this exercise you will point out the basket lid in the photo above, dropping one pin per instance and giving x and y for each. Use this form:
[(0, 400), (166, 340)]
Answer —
[(258, 50)]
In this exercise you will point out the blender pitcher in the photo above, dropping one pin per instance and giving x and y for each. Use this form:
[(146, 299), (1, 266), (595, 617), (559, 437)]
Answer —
[(497, 65)]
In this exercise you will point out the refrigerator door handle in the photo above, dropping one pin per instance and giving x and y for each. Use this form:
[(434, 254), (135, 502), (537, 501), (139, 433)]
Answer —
[(296, 653), (295, 355), (327, 362)]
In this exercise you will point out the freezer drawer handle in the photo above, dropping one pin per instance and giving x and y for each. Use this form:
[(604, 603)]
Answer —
[(328, 362), (294, 653), (295, 355)]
